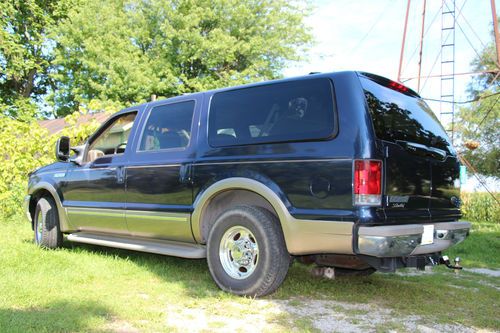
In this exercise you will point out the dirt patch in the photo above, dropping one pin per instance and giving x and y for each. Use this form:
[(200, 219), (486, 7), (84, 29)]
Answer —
[(299, 315), (120, 326), (332, 316), (484, 271), (256, 316)]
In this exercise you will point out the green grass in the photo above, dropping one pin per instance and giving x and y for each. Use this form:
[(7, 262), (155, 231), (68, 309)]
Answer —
[(83, 288), (481, 248)]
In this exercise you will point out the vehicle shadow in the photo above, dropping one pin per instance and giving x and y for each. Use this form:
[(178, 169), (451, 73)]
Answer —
[(194, 276), (402, 294)]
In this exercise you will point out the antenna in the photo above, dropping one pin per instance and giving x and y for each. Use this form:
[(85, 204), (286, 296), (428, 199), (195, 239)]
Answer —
[(450, 12)]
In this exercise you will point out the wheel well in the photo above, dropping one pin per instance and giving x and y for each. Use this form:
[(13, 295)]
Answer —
[(223, 201), (34, 199)]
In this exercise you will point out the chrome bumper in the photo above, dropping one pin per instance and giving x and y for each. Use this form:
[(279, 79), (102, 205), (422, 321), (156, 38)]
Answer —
[(26, 207), (405, 240)]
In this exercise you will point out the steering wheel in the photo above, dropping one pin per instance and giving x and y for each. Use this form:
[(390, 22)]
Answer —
[(117, 148)]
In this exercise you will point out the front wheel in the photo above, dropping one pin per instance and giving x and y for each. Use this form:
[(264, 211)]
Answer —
[(247, 254), (46, 224)]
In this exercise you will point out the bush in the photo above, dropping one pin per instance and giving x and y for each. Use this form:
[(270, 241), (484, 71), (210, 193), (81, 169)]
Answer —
[(26, 146), (480, 207)]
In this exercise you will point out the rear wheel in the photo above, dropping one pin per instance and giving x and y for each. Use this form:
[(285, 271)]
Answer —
[(247, 254), (46, 224)]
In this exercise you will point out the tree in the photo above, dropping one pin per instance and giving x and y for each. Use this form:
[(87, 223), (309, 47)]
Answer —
[(479, 121), (125, 51), (25, 52)]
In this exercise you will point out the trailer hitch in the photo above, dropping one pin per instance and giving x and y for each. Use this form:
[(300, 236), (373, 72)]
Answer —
[(444, 260)]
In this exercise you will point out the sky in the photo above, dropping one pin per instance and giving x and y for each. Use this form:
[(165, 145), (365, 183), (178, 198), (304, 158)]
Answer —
[(366, 35)]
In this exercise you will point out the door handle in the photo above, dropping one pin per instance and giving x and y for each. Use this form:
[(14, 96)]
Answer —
[(185, 173), (120, 175)]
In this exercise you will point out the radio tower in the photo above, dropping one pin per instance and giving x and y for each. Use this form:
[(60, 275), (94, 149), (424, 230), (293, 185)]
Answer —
[(449, 15)]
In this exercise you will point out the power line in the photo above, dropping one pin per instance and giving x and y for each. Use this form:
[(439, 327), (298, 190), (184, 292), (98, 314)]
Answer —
[(476, 174), (488, 112), (377, 20), (425, 34), (472, 29), (463, 102)]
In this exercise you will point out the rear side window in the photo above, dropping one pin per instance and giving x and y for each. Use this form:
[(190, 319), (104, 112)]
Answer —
[(289, 111), (168, 127), (397, 116)]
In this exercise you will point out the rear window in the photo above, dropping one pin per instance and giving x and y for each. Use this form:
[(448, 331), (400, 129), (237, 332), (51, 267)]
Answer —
[(398, 116), (280, 112)]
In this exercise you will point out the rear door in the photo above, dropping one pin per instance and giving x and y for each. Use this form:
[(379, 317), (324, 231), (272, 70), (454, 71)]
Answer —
[(421, 167), (444, 205), (158, 177)]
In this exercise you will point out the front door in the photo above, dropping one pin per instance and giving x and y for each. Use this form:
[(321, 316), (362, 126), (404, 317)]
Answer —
[(95, 191), (158, 177)]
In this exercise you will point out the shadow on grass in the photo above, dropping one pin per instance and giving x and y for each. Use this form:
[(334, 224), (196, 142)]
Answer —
[(54, 317), (192, 274), (430, 295), (443, 296)]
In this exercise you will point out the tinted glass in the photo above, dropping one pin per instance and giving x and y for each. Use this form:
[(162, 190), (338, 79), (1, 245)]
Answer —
[(290, 111), (113, 140), (168, 127), (397, 116)]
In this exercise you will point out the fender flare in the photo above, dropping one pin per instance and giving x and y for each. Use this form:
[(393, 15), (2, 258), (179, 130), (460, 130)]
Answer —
[(63, 217), (238, 183)]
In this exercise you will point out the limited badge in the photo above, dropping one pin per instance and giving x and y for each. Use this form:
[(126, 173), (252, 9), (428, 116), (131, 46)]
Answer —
[(397, 201)]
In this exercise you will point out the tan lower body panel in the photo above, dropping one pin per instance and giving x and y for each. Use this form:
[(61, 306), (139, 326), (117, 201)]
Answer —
[(314, 237)]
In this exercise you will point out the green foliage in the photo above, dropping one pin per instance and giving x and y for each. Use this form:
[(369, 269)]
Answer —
[(484, 62), (68, 53), (480, 122), (126, 51), (25, 51), (26, 146), (481, 207)]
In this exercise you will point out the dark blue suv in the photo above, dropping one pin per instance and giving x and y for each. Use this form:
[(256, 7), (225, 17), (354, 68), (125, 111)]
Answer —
[(348, 170)]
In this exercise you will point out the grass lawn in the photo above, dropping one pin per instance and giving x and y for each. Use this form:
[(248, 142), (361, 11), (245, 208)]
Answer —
[(87, 288)]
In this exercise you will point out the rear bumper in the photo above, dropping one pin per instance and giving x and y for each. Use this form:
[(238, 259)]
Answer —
[(405, 240)]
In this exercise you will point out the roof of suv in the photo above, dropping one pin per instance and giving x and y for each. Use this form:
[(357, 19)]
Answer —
[(375, 77)]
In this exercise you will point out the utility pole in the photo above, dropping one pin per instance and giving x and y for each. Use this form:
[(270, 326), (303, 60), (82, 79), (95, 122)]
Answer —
[(495, 30), (421, 47), (404, 39)]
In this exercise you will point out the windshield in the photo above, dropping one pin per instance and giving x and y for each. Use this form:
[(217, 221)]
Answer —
[(397, 116)]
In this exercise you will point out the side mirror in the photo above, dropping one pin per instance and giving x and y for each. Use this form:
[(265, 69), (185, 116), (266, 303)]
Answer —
[(62, 149)]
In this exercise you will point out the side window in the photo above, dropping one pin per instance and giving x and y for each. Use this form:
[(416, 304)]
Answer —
[(280, 112), (113, 140), (168, 127)]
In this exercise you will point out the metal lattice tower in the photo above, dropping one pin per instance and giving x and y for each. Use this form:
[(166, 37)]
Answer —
[(449, 16), (447, 104)]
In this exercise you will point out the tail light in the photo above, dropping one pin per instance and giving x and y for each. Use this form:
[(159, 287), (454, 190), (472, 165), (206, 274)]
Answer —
[(367, 182)]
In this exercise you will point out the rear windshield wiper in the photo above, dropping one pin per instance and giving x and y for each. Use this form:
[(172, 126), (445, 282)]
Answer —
[(423, 150)]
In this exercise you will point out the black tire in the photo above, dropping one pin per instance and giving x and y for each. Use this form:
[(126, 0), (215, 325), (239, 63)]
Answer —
[(273, 260), (46, 224)]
